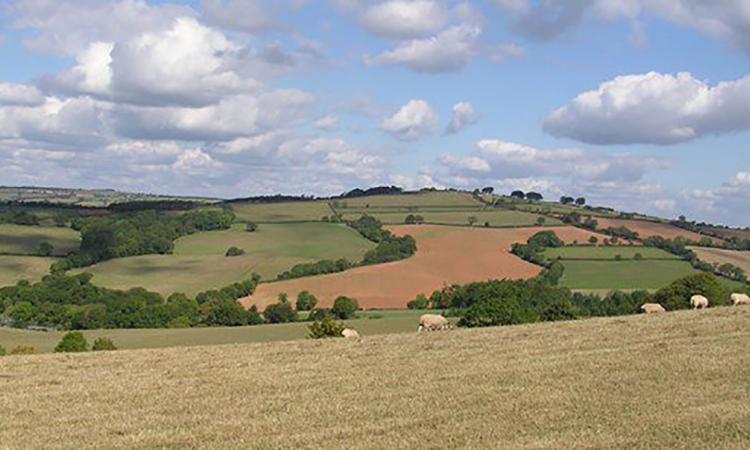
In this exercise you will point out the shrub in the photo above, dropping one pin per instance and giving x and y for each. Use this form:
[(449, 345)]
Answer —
[(234, 251), (618, 257), (319, 314), (45, 249), (103, 344), (3, 352), (344, 307), (677, 295), (638, 256), (281, 312), (421, 302), (23, 350), (325, 328), (251, 227), (253, 316), (306, 301), (593, 240), (558, 310), (492, 312), (72, 342)]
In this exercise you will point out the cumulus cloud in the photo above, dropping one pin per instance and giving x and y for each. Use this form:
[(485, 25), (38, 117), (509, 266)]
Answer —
[(448, 51), (405, 18), (239, 15), (412, 121), (463, 116), (653, 108), (327, 123), (20, 95)]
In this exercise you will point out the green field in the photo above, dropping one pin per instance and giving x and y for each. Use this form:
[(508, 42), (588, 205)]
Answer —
[(198, 262), (606, 253), (16, 268), (423, 199), (626, 274), (496, 217), (367, 322), (281, 212), (24, 240)]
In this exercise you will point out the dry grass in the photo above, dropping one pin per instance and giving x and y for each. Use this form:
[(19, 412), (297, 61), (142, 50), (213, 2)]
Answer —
[(679, 380)]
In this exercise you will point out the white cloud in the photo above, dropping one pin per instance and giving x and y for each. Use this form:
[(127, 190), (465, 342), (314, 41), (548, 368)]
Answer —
[(327, 123), (196, 162), (405, 18), (653, 108), (448, 51), (503, 52), (463, 116), (241, 15), (412, 121), (20, 95)]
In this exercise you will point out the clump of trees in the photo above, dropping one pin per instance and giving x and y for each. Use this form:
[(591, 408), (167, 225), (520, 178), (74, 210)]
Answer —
[(306, 301), (345, 307), (317, 268), (532, 250), (414, 219), (281, 312), (19, 217)]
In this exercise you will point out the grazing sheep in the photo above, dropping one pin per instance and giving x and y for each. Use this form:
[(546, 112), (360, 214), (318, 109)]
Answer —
[(740, 299), (432, 322), (652, 308), (349, 333), (698, 302)]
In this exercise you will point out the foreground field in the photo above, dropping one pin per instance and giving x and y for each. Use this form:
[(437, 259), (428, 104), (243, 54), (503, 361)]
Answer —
[(367, 322), (679, 380), (445, 255), (720, 256), (198, 262), (24, 240), (16, 268)]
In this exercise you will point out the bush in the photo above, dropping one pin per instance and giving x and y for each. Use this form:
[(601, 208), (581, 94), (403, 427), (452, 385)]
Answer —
[(72, 342), (319, 314), (234, 251), (677, 295), (618, 257), (3, 352), (306, 301), (23, 350), (281, 312), (344, 307), (638, 256), (45, 249), (325, 328), (103, 344), (251, 227), (492, 312), (421, 302)]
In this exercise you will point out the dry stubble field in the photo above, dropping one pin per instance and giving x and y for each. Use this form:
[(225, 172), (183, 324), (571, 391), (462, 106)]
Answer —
[(678, 380)]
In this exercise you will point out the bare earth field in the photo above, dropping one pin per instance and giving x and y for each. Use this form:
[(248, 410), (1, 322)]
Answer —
[(717, 255), (677, 380), (445, 255), (647, 229)]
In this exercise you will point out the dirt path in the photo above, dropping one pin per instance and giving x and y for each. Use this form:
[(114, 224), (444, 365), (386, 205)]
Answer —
[(445, 256)]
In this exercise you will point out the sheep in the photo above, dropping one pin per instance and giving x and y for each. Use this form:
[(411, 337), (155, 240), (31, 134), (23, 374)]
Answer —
[(740, 299), (698, 302), (432, 322), (348, 333), (652, 308)]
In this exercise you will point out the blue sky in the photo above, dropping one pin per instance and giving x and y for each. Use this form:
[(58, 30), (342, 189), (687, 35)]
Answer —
[(632, 103)]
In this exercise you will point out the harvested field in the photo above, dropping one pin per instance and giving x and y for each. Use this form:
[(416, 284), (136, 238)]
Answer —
[(717, 255), (676, 380), (24, 240), (445, 255), (647, 229), (495, 217), (16, 268)]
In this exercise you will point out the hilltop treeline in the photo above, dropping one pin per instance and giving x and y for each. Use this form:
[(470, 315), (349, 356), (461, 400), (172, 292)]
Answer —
[(73, 302), (141, 233)]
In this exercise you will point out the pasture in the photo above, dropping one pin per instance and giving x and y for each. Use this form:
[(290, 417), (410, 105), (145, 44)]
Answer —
[(677, 380), (15, 268), (199, 264), (24, 240), (311, 211), (625, 274), (367, 322), (494, 217), (606, 253)]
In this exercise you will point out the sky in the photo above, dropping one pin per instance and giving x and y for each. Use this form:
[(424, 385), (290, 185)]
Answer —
[(637, 104)]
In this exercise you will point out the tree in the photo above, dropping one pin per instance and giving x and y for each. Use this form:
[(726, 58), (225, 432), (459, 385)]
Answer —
[(306, 301), (540, 221), (580, 201), (518, 194), (103, 344), (488, 190), (421, 302), (413, 219), (534, 196), (281, 312), (234, 251), (344, 307), (72, 342), (45, 249), (593, 240), (565, 200), (472, 220), (325, 328)]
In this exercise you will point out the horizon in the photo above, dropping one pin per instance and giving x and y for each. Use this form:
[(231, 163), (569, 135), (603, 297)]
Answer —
[(229, 99)]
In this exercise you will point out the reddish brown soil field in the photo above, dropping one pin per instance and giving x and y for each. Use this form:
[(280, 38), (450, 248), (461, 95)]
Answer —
[(647, 229), (717, 255), (445, 255)]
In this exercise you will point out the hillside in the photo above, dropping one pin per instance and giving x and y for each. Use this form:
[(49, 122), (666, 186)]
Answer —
[(679, 380)]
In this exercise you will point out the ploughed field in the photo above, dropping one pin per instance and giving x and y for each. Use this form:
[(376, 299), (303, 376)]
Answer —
[(647, 229), (676, 380), (199, 262), (445, 255), (720, 256)]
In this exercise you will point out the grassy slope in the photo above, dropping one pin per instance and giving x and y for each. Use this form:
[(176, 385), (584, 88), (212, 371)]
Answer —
[(19, 239), (16, 268), (198, 262), (496, 218), (678, 380), (626, 274), (281, 212), (607, 253), (368, 322)]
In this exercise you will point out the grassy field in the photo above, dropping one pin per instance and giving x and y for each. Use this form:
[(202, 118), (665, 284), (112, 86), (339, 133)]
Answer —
[(367, 322), (198, 262), (626, 274), (677, 380), (281, 212), (425, 199), (20, 239), (15, 268), (606, 253), (496, 218)]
